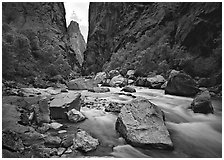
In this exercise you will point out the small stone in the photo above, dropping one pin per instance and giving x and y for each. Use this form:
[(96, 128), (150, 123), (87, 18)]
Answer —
[(128, 89), (62, 131), (69, 150), (53, 151)]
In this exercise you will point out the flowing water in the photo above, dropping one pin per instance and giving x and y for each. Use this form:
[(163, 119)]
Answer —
[(193, 134)]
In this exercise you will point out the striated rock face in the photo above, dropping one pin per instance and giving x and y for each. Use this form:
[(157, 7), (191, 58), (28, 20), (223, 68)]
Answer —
[(35, 42), (76, 41), (155, 37)]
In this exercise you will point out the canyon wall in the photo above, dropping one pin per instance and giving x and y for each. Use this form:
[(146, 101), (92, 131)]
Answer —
[(36, 44), (154, 37)]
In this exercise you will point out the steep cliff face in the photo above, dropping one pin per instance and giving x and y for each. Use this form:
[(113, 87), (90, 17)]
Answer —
[(154, 37), (76, 41), (35, 42)]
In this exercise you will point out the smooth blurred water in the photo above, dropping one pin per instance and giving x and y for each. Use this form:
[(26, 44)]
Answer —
[(193, 134)]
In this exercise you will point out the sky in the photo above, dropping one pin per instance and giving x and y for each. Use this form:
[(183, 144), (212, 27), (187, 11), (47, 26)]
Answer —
[(78, 11)]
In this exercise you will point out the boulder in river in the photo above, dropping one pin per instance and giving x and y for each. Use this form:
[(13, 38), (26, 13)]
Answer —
[(64, 102), (156, 82), (202, 103), (182, 85), (75, 116), (142, 124), (84, 141), (81, 84), (128, 89), (118, 81)]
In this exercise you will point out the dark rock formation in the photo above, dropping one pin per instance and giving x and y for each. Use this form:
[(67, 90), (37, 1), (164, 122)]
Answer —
[(182, 85), (156, 37), (202, 103), (76, 41), (35, 43), (141, 123)]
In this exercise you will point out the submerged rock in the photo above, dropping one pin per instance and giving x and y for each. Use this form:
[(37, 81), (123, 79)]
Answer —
[(202, 103), (75, 116), (84, 141), (64, 102), (181, 85), (128, 89), (141, 123)]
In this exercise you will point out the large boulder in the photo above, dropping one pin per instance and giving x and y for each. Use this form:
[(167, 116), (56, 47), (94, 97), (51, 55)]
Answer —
[(64, 102), (118, 81), (75, 116), (156, 82), (81, 84), (181, 85), (84, 141), (141, 81), (100, 77), (202, 103), (142, 124)]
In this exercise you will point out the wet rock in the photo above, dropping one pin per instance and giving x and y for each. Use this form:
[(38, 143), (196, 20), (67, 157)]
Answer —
[(52, 141), (181, 85), (100, 77), (113, 73), (84, 141), (130, 81), (41, 111), (55, 125), (53, 151), (12, 141), (128, 89), (156, 82), (99, 90), (164, 85), (75, 116), (202, 103), (117, 81), (141, 123), (81, 84), (64, 102), (67, 141), (113, 107)]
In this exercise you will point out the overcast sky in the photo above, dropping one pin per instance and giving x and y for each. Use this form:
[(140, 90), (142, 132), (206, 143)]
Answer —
[(78, 11)]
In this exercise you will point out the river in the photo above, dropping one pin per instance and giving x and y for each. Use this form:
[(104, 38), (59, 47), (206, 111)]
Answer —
[(193, 134)]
